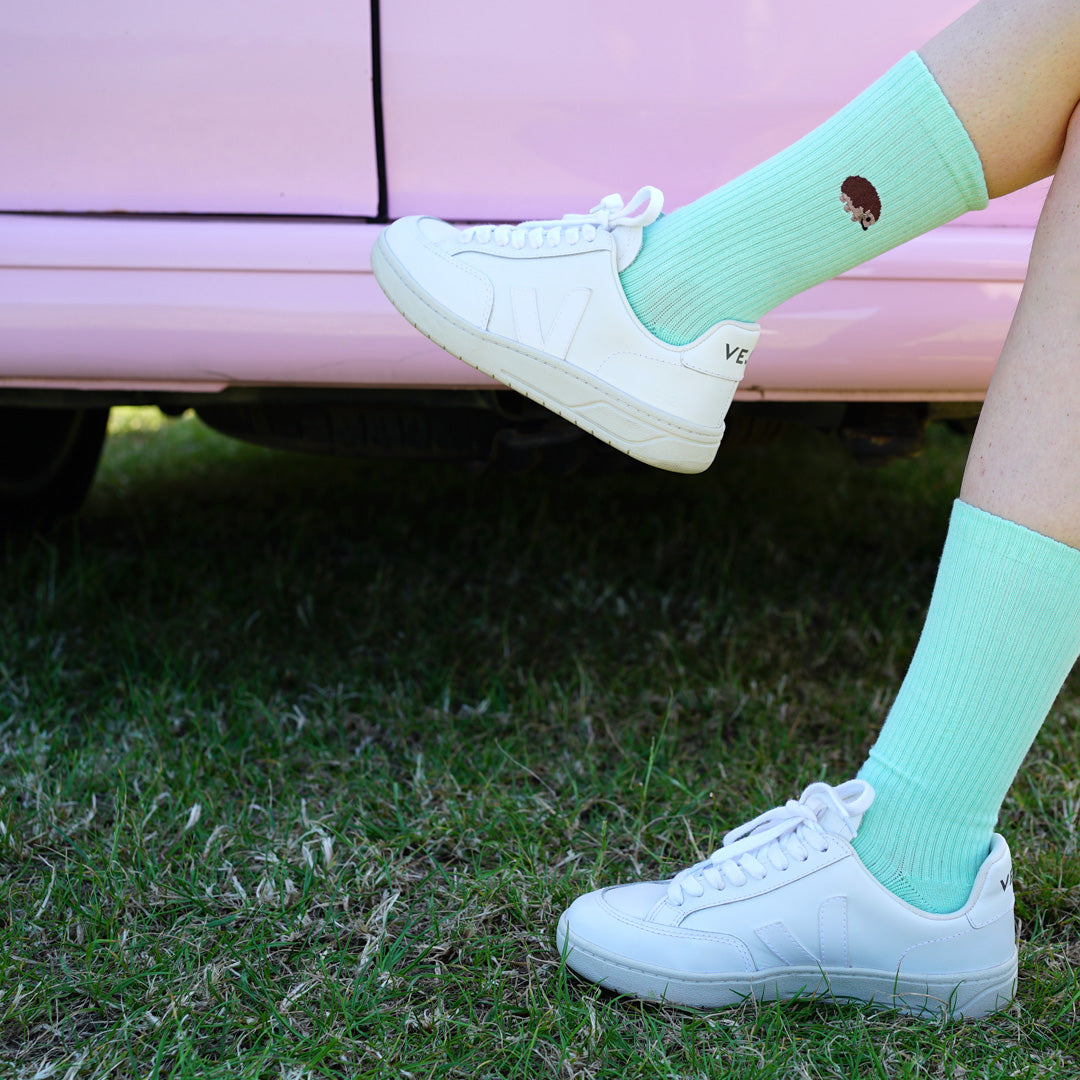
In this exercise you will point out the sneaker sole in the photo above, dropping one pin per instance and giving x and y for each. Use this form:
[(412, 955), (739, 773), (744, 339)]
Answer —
[(970, 996), (649, 435)]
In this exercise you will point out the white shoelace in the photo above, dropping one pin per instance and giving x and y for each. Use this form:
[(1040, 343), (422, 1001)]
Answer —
[(611, 212), (774, 840)]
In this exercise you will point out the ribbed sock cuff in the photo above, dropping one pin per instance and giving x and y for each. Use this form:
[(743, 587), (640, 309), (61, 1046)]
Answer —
[(918, 91), (1001, 634)]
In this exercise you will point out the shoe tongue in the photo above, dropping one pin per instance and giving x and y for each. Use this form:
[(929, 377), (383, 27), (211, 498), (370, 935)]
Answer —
[(643, 209), (627, 244)]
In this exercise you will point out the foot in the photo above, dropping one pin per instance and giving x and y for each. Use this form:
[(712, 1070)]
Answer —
[(786, 909), (539, 306)]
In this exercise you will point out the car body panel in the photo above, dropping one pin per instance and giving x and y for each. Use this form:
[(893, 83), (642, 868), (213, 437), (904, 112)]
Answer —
[(260, 121), (499, 111), (206, 107), (201, 305)]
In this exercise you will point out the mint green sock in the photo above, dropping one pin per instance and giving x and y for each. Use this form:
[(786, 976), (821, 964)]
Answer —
[(898, 152), (1001, 634)]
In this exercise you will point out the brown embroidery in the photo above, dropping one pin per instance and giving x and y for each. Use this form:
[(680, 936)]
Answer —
[(861, 201)]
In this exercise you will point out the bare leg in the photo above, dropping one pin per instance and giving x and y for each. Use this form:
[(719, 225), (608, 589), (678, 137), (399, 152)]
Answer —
[(1011, 70), (1025, 458)]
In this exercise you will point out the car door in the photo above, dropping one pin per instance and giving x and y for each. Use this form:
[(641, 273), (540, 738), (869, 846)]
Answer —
[(179, 192), (499, 111), (201, 107)]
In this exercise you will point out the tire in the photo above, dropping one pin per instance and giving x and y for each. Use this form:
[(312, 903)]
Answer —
[(48, 458)]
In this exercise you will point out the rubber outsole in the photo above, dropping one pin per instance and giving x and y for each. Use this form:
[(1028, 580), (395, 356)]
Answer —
[(966, 996), (652, 436)]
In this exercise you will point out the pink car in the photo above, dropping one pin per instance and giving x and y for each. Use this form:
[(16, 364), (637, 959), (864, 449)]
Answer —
[(189, 194)]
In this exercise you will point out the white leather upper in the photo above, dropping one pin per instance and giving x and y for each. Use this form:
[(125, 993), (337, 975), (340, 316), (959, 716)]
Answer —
[(828, 910), (566, 301)]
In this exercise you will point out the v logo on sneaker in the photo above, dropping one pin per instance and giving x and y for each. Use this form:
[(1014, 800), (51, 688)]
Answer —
[(556, 342), (780, 940), (832, 918)]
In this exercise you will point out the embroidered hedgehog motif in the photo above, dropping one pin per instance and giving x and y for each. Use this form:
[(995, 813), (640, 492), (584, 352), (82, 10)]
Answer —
[(861, 201)]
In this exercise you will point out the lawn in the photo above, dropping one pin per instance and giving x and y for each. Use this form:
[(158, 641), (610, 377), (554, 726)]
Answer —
[(300, 759)]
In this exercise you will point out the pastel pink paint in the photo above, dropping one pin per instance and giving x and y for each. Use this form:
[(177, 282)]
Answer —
[(226, 157)]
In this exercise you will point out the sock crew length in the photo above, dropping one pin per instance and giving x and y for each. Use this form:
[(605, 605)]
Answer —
[(894, 163), (1001, 634)]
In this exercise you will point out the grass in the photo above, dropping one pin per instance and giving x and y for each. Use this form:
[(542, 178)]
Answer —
[(300, 759)]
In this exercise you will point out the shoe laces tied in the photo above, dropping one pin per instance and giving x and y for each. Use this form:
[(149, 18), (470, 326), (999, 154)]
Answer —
[(610, 213), (775, 839)]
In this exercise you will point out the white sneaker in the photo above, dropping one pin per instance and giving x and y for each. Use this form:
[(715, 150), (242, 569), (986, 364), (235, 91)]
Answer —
[(540, 307), (787, 909)]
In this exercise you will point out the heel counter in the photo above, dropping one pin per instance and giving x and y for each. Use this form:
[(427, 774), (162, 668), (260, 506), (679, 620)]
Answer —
[(993, 891)]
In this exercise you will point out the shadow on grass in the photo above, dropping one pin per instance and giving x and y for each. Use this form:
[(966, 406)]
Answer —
[(218, 572)]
